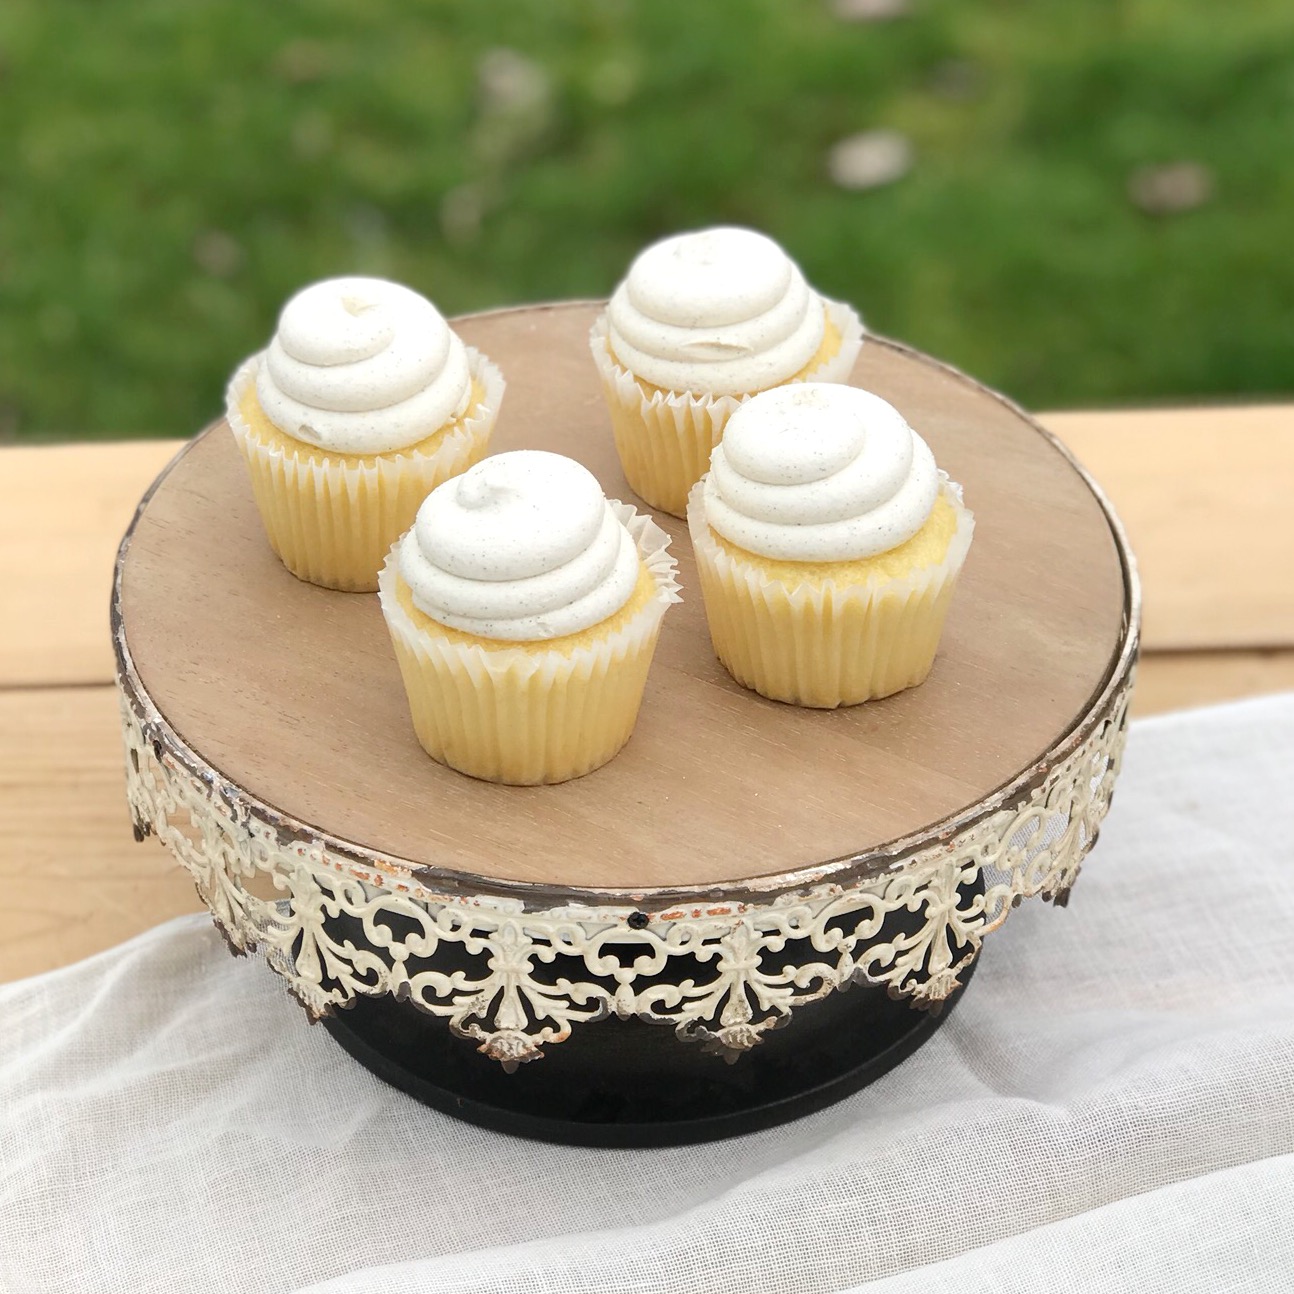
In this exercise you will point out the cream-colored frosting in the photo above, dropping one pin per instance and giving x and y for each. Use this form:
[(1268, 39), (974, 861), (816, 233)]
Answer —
[(362, 366), (522, 547), (816, 472), (721, 312)]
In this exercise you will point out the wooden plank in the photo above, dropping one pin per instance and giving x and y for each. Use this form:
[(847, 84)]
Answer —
[(63, 510), (1205, 495), (76, 883), (1202, 492), (1179, 681), (73, 878)]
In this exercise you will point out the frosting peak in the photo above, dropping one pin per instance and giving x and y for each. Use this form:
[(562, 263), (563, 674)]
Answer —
[(714, 277), (523, 547), (722, 311), (819, 473), (362, 366)]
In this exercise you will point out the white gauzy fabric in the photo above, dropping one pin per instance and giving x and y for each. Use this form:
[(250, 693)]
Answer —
[(1110, 1108)]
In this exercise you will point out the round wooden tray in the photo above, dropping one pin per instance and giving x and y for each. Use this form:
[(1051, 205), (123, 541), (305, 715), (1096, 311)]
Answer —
[(738, 861), (292, 691)]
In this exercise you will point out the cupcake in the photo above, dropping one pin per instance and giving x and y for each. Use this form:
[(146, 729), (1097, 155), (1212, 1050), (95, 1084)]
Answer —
[(701, 322), (524, 608), (364, 401), (828, 545)]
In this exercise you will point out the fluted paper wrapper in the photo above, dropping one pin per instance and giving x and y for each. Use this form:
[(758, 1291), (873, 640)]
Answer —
[(664, 438), (825, 644), (332, 518), (531, 714)]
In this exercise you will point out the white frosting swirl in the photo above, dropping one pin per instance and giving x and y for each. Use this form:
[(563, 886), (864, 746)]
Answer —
[(523, 547), (362, 366), (816, 472), (721, 312)]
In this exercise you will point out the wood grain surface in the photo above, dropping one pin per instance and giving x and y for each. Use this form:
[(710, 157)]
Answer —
[(1206, 497), (73, 878), (64, 511), (292, 692), (1202, 534)]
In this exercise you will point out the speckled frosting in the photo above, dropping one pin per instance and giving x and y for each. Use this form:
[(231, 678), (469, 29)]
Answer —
[(522, 547), (362, 366), (817, 472), (721, 311)]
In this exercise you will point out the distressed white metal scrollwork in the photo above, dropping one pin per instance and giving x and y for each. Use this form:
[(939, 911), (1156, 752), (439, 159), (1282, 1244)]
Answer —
[(516, 979)]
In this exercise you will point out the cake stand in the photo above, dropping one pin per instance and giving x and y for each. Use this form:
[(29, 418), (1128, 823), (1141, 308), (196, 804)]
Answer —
[(751, 911)]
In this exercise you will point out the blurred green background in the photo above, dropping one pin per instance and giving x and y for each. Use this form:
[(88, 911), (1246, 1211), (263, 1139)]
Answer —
[(1082, 202)]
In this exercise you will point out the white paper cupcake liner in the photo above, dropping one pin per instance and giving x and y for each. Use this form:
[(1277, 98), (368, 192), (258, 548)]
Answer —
[(828, 643), (530, 713)]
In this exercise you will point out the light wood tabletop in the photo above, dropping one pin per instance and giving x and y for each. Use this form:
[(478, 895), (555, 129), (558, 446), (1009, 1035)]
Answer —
[(1202, 492)]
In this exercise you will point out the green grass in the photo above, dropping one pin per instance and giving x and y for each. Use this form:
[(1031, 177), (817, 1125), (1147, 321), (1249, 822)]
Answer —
[(171, 170)]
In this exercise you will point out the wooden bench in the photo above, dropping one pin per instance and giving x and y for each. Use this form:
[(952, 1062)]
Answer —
[(1204, 494)]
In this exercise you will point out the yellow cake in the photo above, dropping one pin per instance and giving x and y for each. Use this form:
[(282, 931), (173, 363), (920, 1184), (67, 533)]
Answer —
[(828, 547), (701, 322), (363, 403), (524, 610)]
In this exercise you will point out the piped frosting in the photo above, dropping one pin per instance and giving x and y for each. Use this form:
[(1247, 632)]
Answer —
[(721, 311), (522, 547), (816, 472), (362, 366)]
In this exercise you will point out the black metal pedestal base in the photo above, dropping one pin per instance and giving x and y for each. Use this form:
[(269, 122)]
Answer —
[(628, 1083)]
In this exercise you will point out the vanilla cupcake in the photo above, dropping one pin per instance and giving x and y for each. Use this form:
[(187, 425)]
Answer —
[(701, 322), (524, 607), (828, 545), (364, 402)]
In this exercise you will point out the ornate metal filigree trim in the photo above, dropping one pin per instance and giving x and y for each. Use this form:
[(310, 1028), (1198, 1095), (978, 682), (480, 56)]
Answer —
[(516, 981)]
